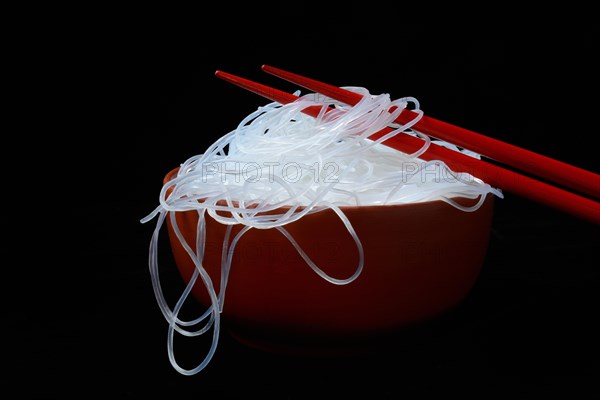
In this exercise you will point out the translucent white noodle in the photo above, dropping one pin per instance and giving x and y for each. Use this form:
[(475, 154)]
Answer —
[(280, 165)]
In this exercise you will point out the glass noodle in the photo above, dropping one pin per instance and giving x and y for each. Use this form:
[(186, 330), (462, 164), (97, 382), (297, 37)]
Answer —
[(280, 165)]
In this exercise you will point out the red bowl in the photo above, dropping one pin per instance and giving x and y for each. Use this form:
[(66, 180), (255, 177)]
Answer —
[(420, 260)]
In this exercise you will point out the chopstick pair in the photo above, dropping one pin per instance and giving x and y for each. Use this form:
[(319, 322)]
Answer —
[(550, 169)]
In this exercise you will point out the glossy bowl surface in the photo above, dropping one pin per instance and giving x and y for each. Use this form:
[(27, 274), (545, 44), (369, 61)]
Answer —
[(421, 260)]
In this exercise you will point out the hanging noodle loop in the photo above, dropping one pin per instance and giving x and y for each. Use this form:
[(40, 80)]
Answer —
[(280, 165)]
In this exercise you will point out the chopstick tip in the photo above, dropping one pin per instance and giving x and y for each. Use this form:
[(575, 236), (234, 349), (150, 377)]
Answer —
[(224, 75)]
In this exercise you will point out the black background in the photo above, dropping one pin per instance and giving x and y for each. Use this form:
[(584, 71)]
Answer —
[(142, 98)]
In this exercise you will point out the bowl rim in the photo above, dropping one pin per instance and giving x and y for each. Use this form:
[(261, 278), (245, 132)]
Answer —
[(464, 201)]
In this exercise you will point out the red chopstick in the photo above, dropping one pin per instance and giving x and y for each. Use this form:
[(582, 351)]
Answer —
[(559, 172), (494, 175)]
